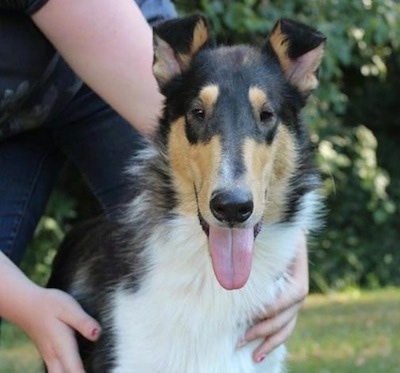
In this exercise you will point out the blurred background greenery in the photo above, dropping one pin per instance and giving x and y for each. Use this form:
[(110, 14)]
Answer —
[(354, 119)]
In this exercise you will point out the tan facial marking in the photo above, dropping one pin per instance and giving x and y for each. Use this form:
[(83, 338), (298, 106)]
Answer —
[(193, 166), (257, 98), (258, 160), (208, 96), (269, 169), (283, 168)]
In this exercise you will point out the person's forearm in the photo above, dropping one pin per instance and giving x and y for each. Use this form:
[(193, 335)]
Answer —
[(109, 45), (16, 292)]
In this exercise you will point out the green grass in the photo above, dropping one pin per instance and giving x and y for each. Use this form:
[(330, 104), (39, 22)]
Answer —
[(347, 333), (17, 353), (342, 333)]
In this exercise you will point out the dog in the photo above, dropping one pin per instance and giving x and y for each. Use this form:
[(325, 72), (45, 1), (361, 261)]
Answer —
[(227, 188)]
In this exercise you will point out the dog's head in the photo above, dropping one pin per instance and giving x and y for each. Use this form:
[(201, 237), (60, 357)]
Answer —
[(232, 130)]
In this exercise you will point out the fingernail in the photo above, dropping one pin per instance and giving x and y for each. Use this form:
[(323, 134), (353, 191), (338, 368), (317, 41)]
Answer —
[(260, 358), (95, 332)]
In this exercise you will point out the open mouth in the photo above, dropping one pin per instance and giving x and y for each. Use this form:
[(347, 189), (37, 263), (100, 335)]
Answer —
[(206, 226), (231, 251)]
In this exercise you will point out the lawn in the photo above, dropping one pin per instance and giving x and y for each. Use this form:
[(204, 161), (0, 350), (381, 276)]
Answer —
[(348, 333), (341, 333)]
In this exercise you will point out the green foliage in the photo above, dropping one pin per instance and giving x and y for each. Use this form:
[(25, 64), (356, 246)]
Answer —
[(48, 236), (359, 244), (353, 120)]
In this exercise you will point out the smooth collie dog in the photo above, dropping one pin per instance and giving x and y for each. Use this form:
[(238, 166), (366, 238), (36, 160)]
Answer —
[(226, 190)]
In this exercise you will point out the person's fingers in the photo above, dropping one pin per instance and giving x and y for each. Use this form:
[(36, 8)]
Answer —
[(67, 351), (274, 341), (294, 295), (53, 365), (71, 313), (50, 358), (59, 348), (270, 326)]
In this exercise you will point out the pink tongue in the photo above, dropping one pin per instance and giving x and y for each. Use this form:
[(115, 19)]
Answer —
[(231, 254)]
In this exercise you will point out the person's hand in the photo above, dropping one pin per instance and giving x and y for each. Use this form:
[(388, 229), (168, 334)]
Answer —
[(51, 324), (48, 316), (278, 324)]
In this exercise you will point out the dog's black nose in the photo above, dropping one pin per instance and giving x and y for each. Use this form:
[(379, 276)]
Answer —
[(232, 206)]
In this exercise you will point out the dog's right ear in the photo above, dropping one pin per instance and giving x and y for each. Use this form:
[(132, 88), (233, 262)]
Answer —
[(175, 42), (299, 50)]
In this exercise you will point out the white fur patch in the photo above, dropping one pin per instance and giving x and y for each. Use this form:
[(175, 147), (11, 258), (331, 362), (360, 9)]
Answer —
[(200, 323)]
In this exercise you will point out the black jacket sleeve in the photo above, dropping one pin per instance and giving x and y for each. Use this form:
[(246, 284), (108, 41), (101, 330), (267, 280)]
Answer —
[(27, 6)]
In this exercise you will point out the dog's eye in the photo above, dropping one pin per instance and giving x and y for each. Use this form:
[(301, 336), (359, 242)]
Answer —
[(198, 114), (266, 115)]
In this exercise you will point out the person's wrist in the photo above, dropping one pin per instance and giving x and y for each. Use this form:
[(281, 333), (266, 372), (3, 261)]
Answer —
[(29, 301)]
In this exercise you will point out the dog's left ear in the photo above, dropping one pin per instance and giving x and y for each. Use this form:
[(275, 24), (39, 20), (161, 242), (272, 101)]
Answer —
[(175, 42), (299, 50)]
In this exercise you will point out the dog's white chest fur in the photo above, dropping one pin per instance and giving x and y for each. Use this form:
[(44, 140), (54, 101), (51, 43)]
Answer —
[(182, 321)]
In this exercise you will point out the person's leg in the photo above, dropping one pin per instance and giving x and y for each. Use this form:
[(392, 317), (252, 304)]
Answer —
[(30, 165), (100, 143)]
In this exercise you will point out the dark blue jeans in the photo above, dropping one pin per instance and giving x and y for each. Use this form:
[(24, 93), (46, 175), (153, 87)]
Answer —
[(87, 132)]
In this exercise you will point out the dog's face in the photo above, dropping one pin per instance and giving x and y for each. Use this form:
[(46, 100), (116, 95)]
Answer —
[(232, 130)]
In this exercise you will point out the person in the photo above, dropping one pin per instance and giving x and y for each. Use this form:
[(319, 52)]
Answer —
[(48, 114)]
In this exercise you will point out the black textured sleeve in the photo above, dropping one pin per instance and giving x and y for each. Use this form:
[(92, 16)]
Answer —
[(27, 6)]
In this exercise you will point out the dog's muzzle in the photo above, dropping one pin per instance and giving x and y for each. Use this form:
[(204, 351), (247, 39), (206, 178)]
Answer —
[(231, 243)]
